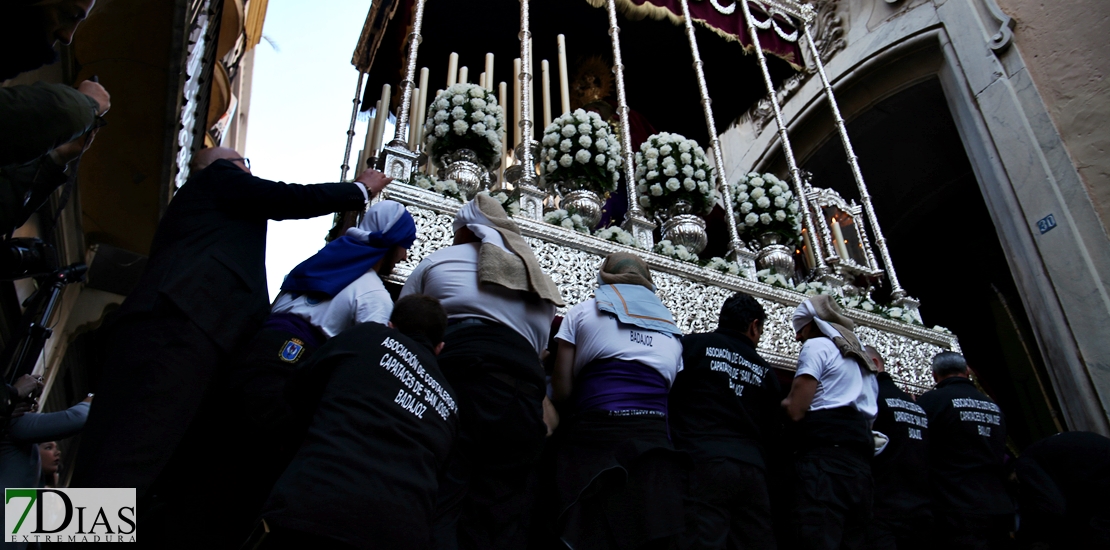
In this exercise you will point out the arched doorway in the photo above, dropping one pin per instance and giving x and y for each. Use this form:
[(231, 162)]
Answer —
[(944, 244)]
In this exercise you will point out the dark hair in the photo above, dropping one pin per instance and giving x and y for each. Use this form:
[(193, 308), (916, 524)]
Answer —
[(420, 317), (739, 310), (947, 363)]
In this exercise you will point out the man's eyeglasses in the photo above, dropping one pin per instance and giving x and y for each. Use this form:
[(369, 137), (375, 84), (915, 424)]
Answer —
[(246, 161)]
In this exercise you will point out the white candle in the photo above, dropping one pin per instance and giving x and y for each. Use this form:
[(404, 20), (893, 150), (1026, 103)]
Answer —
[(811, 261), (482, 80), (464, 75), (422, 105), (373, 129), (489, 71), (545, 82), (517, 115), (367, 145), (839, 238), (564, 85), (384, 118), (452, 69), (412, 118)]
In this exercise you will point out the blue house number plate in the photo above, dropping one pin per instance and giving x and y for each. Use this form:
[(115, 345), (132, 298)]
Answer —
[(1046, 223)]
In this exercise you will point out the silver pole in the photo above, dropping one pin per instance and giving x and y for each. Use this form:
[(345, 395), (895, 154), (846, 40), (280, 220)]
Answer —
[(351, 129), (897, 292), (788, 151), (641, 227), (401, 133), (735, 243), (528, 178)]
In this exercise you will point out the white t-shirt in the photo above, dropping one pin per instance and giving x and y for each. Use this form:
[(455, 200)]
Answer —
[(451, 276), (840, 381), (599, 335), (363, 301)]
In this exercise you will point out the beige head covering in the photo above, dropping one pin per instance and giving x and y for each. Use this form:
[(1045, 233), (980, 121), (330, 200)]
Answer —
[(832, 322), (505, 258), (622, 268)]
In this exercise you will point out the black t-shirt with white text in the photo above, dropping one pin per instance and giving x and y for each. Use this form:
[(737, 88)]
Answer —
[(725, 401), (901, 470), (967, 442), (367, 471)]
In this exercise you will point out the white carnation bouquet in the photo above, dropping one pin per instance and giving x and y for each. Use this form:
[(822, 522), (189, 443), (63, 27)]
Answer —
[(566, 220), (763, 203), (579, 147), (772, 277), (678, 252), (465, 116), (447, 188), (722, 265), (671, 168), (617, 235)]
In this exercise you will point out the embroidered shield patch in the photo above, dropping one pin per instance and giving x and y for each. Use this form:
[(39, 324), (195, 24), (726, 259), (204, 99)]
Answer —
[(291, 351)]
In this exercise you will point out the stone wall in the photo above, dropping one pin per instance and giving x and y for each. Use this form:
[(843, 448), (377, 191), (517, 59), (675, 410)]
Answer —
[(1066, 51)]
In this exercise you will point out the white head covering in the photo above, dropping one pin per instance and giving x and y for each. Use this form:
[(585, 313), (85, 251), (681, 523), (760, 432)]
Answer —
[(806, 313), (471, 217), (379, 218)]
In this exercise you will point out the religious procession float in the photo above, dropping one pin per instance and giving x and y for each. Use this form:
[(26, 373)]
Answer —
[(625, 155)]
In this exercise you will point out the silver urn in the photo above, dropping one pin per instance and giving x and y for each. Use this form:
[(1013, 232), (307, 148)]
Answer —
[(462, 167), (681, 227), (584, 203), (774, 254)]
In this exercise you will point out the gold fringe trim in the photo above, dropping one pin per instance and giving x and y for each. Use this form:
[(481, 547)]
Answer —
[(659, 13)]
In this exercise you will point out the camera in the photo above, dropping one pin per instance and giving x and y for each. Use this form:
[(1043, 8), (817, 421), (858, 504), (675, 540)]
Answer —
[(26, 257)]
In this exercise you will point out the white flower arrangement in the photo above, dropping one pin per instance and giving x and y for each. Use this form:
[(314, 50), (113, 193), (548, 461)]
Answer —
[(678, 252), (763, 203), (904, 315), (509, 201), (465, 116), (815, 288), (579, 147), (616, 235), (671, 168), (447, 188), (566, 220), (864, 303), (940, 329), (773, 278), (718, 263)]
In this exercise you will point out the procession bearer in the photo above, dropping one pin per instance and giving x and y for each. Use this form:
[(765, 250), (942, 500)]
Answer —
[(832, 403), (724, 410), (500, 305)]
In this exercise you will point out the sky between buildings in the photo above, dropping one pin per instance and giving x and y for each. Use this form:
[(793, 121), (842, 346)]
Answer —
[(299, 112)]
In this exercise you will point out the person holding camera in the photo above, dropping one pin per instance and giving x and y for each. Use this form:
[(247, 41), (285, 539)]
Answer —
[(19, 398), (43, 127)]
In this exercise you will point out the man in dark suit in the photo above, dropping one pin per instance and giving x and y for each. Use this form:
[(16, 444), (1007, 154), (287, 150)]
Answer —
[(202, 296)]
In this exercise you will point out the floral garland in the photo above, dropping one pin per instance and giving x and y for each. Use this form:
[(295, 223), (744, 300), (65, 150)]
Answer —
[(509, 201), (864, 303), (617, 235), (447, 188), (763, 203), (671, 168), (678, 252), (815, 288), (465, 116), (566, 220), (722, 265), (774, 278), (579, 146)]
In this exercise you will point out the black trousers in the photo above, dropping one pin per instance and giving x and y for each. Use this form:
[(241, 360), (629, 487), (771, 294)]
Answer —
[(486, 491), (728, 507), (833, 497), (961, 530), (904, 533)]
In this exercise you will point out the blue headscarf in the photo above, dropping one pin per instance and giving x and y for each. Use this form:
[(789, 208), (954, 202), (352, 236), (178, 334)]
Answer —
[(385, 225)]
